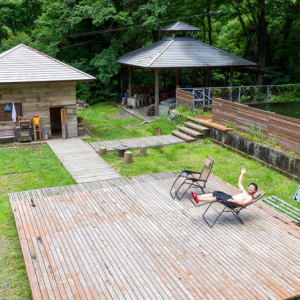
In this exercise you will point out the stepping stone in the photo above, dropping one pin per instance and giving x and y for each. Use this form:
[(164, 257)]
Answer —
[(183, 136), (190, 131)]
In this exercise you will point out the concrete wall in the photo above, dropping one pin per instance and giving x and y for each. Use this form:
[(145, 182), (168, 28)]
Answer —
[(50, 94), (287, 164)]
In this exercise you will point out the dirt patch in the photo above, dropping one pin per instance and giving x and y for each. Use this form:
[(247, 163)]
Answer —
[(122, 115), (9, 175)]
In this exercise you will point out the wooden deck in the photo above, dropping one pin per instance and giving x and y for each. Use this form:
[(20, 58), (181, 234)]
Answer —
[(81, 161), (149, 141), (130, 240)]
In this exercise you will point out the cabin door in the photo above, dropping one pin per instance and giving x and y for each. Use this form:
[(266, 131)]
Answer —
[(63, 114)]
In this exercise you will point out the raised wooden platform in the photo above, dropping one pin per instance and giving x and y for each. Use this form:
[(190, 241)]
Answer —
[(134, 143), (132, 241), (81, 161)]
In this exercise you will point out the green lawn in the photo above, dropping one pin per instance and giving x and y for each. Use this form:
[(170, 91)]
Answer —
[(106, 122), (22, 170), (191, 156)]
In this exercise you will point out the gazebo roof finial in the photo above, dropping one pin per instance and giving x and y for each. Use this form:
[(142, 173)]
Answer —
[(179, 26)]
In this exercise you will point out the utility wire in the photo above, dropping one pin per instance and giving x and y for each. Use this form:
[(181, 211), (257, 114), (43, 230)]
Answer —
[(132, 26)]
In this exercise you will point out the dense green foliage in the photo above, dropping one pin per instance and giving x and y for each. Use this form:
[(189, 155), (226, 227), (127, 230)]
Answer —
[(264, 31)]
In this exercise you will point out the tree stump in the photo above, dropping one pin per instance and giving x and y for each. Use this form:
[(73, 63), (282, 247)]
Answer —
[(102, 151), (127, 157), (157, 131), (143, 151)]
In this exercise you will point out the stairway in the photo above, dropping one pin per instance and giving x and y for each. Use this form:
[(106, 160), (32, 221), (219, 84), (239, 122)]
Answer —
[(191, 131)]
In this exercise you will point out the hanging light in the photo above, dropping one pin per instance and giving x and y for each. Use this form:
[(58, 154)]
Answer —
[(7, 108)]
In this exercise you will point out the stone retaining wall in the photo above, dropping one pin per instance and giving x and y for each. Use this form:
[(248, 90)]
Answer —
[(289, 165)]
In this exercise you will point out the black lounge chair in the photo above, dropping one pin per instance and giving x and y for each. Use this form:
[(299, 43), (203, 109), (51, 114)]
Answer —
[(193, 179), (234, 208)]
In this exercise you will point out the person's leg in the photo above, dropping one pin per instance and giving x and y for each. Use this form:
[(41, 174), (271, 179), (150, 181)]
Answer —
[(204, 198)]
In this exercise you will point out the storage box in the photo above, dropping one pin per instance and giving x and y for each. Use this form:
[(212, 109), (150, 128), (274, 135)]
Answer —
[(80, 131)]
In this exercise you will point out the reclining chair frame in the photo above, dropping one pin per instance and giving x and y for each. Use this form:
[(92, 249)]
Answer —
[(235, 209), (193, 179)]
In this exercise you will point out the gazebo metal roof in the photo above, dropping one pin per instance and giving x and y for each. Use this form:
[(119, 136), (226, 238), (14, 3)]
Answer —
[(179, 26), (24, 64), (181, 52)]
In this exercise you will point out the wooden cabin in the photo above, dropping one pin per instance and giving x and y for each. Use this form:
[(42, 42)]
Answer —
[(39, 85)]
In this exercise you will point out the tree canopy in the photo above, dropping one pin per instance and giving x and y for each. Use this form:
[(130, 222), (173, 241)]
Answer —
[(90, 34)]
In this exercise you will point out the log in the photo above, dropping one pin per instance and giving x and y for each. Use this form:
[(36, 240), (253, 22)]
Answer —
[(102, 151), (143, 151), (127, 157), (157, 131)]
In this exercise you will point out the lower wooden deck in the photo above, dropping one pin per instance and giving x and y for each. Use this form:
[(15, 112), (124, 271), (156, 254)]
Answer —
[(132, 241)]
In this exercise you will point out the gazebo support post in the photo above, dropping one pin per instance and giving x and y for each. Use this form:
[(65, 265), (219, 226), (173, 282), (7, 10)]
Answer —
[(156, 91), (122, 80), (231, 84), (130, 81), (177, 77), (194, 77)]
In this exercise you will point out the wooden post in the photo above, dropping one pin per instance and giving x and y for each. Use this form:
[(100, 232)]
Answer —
[(130, 82), (177, 77), (156, 91), (231, 83), (157, 131), (127, 157), (143, 151), (194, 77), (102, 151), (122, 79)]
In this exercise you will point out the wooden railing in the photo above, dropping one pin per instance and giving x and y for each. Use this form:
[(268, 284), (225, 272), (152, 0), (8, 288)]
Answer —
[(282, 130), (184, 98)]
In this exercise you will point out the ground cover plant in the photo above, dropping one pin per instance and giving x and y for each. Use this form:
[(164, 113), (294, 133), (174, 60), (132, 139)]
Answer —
[(108, 121), (21, 170), (191, 156)]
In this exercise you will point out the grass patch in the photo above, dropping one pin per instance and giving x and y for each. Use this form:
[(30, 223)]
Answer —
[(101, 122), (227, 166), (20, 170)]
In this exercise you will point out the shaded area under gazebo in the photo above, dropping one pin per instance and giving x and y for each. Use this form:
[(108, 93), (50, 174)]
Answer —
[(181, 53)]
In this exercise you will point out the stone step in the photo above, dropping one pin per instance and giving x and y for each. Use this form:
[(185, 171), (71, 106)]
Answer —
[(196, 126), (194, 133), (183, 136)]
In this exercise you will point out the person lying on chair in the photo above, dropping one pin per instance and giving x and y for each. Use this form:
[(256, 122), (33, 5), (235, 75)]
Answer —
[(243, 198)]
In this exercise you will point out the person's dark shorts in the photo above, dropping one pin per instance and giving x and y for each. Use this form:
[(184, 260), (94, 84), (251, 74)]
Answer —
[(222, 197)]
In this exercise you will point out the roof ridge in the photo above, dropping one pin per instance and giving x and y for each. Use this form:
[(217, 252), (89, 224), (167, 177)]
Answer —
[(58, 61), (160, 52), (2, 54)]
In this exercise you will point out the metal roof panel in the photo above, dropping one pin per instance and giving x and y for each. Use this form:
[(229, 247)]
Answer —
[(179, 26), (182, 52), (24, 64)]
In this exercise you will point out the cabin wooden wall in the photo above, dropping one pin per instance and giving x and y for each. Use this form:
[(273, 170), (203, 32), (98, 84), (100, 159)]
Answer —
[(36, 98), (285, 131)]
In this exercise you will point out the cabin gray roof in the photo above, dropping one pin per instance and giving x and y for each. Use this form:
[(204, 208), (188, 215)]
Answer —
[(179, 26), (181, 52), (24, 64)]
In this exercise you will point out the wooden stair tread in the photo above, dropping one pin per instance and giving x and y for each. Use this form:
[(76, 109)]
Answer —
[(183, 136), (209, 124), (195, 126), (190, 131)]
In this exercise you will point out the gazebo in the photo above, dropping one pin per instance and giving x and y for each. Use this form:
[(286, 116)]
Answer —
[(179, 53)]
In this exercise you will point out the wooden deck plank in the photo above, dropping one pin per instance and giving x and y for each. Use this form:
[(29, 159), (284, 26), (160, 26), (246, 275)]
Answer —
[(127, 239), (76, 157)]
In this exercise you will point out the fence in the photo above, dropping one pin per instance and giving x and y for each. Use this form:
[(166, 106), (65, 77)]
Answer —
[(242, 94), (282, 130)]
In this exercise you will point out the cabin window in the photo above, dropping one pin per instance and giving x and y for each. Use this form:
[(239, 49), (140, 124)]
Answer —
[(5, 116)]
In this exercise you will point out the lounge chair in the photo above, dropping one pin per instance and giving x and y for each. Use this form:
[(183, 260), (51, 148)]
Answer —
[(194, 179), (234, 208)]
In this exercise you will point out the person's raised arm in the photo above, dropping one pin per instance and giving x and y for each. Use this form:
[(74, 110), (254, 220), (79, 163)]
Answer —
[(240, 183)]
